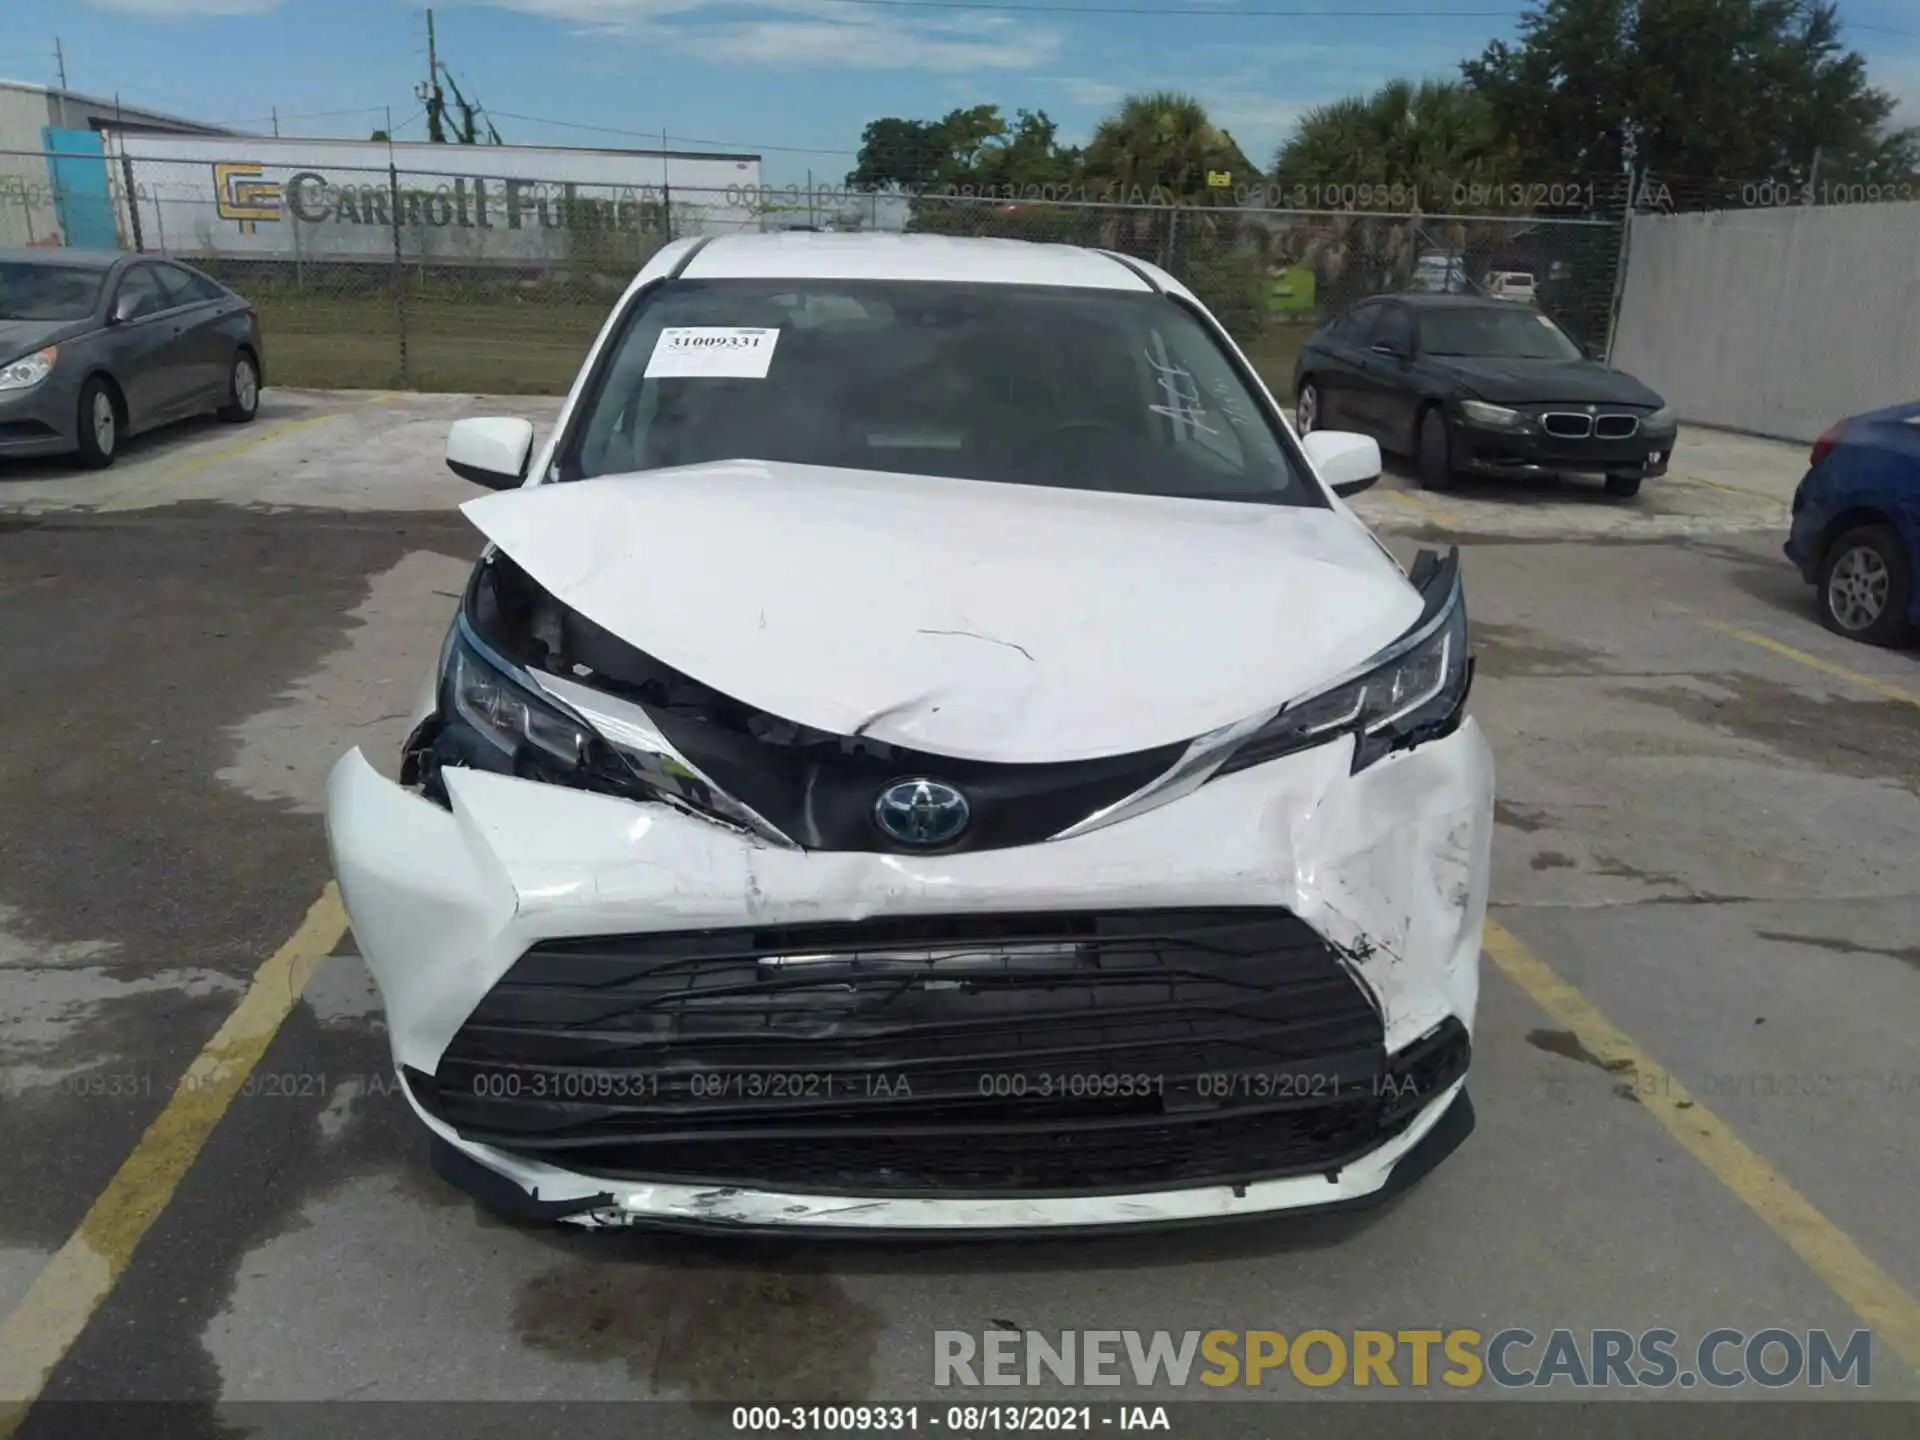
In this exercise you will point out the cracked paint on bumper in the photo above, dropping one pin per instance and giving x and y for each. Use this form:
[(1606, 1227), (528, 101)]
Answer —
[(1390, 865)]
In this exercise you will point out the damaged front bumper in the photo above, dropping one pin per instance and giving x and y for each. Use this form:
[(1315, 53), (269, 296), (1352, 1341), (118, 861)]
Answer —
[(1263, 1000)]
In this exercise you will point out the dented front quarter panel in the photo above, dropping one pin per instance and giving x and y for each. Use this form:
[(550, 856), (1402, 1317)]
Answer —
[(1390, 865)]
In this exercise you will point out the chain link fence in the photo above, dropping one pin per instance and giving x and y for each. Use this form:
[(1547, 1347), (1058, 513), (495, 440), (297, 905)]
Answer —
[(1273, 276), (390, 279)]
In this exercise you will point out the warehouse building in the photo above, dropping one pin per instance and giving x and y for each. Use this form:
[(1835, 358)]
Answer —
[(54, 187)]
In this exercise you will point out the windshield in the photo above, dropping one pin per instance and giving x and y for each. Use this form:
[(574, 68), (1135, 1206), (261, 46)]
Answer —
[(1495, 334), (47, 292), (1079, 389)]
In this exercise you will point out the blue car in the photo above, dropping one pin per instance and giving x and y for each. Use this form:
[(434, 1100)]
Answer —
[(1856, 525)]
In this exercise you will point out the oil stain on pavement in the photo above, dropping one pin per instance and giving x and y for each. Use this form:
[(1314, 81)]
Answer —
[(1835, 734), (706, 1331), (1906, 954)]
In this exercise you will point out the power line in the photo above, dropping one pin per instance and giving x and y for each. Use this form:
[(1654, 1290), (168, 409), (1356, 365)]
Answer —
[(304, 115), (651, 135), (1185, 12), (1188, 12)]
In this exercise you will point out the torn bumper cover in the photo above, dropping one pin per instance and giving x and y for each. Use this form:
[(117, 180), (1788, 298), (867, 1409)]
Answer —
[(1258, 998)]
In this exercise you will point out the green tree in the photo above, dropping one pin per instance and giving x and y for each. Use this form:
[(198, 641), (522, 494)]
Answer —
[(1025, 158), (898, 154), (1420, 141), (965, 149), (1730, 90), (949, 164), (1162, 147)]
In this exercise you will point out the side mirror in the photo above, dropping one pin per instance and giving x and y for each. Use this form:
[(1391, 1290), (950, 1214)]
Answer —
[(493, 451), (123, 307), (1349, 463)]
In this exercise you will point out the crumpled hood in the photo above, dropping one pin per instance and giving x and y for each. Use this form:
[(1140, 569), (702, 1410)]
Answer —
[(987, 622), (1569, 382)]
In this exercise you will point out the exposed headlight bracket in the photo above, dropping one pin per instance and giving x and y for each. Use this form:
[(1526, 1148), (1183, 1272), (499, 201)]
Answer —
[(1413, 691)]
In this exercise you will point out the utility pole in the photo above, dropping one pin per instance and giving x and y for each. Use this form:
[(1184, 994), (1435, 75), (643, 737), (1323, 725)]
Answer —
[(276, 122), (429, 93), (60, 60)]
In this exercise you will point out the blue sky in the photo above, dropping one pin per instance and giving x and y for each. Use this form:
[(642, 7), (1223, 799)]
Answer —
[(792, 79)]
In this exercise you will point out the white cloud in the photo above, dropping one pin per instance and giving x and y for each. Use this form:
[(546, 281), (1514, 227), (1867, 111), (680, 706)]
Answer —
[(813, 33), (184, 9), (1900, 78), (1252, 117), (866, 47), (1098, 93)]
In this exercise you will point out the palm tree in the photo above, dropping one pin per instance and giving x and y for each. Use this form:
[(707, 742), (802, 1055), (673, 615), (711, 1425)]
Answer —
[(1424, 139), (1392, 157), (1158, 150)]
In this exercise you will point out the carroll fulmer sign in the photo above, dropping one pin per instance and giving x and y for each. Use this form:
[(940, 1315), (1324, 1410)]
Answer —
[(331, 200)]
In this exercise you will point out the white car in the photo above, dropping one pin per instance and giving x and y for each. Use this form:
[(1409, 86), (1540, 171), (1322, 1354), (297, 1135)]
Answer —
[(1515, 285), (927, 749)]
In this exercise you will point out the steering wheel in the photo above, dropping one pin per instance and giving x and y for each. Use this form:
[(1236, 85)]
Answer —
[(1051, 437)]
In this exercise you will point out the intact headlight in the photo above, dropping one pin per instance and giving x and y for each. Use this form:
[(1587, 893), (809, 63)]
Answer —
[(1412, 691), (1499, 417), (29, 370), (1661, 419)]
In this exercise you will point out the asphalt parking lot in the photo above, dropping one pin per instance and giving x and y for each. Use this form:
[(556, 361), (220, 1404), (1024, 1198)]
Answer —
[(1697, 1067)]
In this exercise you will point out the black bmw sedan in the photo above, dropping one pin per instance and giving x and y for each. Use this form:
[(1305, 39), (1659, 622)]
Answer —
[(1462, 384)]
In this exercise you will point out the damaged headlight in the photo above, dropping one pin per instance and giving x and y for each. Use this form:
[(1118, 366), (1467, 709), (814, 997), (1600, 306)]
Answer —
[(504, 713), (1414, 690), (495, 716)]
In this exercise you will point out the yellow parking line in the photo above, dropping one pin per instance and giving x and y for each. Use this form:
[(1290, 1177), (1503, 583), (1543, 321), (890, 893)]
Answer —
[(1889, 1311), (193, 464), (1732, 489), (83, 1272), (1433, 509), (1814, 662)]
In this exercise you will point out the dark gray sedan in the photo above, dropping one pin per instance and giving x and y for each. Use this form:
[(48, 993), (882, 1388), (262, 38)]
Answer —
[(98, 345)]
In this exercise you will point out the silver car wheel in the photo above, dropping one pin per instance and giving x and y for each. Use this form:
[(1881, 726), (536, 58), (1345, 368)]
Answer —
[(104, 422), (246, 385), (1307, 411), (1857, 588)]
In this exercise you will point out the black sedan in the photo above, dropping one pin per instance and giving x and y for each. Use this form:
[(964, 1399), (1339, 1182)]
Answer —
[(96, 346), (1462, 384)]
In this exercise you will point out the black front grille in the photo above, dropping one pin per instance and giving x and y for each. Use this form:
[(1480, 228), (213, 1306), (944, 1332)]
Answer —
[(1616, 427), (1564, 425), (980, 1055), (822, 795)]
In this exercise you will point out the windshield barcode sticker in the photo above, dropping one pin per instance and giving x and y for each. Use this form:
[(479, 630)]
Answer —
[(729, 352)]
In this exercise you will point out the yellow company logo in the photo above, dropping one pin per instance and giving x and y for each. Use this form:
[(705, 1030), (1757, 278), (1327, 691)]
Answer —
[(240, 194), (1219, 179)]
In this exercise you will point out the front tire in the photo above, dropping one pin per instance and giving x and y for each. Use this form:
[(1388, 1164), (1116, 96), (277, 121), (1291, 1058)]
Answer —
[(1624, 487), (1866, 585), (99, 425), (243, 390), (1436, 451), (1306, 408)]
